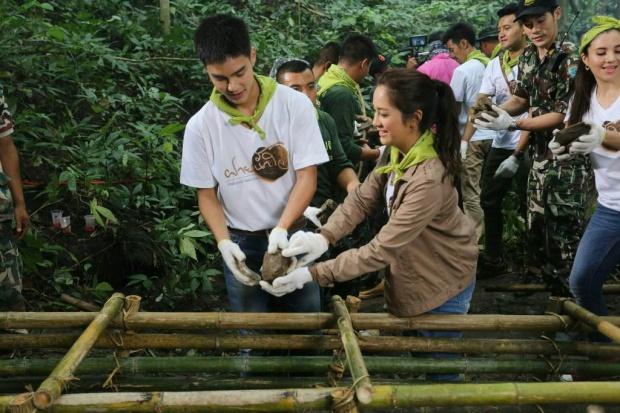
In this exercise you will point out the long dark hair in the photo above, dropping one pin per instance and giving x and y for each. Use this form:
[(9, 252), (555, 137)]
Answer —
[(584, 85), (409, 91)]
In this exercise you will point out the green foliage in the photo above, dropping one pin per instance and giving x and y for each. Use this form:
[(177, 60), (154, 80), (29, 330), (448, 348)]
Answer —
[(100, 98)]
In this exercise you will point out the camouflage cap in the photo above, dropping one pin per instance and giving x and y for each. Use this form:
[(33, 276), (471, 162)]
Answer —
[(534, 7), (488, 33)]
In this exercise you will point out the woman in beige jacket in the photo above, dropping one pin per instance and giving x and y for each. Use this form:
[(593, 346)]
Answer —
[(428, 245)]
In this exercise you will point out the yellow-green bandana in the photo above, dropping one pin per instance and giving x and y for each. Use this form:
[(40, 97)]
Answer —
[(479, 56), (267, 89), (336, 75), (496, 51), (603, 23), (508, 63), (421, 150)]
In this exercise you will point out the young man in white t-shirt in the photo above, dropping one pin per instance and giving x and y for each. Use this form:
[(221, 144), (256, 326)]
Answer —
[(252, 152), (498, 82), (460, 39)]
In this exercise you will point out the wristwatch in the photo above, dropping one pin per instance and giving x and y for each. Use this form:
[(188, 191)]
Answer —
[(513, 125), (519, 155)]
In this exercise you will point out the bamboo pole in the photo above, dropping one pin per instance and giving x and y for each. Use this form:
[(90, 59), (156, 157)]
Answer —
[(309, 321), (359, 373), (22, 403), (310, 342), (52, 387), (83, 305), (164, 15), (309, 364), (591, 319), (385, 397), (540, 288), (131, 306)]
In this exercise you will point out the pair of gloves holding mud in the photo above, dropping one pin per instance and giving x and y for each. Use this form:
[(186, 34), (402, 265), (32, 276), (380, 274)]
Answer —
[(303, 248), (584, 144)]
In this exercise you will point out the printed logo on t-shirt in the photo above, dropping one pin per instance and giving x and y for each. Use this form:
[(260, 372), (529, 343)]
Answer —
[(271, 162)]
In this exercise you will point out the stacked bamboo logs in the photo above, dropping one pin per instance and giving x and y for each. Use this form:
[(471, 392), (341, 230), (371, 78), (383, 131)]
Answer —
[(129, 333)]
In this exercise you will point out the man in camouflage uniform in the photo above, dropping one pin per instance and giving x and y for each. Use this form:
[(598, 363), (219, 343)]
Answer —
[(557, 189), (12, 204)]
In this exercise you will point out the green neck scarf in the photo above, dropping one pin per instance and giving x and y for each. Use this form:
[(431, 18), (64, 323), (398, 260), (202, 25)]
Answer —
[(603, 23), (421, 150), (336, 75), (508, 63), (496, 51), (267, 88), (479, 56)]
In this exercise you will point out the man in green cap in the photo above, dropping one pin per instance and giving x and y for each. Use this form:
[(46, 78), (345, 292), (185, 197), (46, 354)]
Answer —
[(557, 189), (488, 41)]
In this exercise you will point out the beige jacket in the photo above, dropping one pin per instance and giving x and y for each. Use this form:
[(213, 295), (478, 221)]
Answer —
[(428, 245)]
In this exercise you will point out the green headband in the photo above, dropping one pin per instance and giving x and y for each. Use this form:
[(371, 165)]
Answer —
[(604, 23)]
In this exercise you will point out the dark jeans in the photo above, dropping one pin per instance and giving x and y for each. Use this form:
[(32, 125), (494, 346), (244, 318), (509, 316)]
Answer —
[(494, 190)]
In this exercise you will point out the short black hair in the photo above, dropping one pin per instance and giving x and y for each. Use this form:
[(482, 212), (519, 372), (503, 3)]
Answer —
[(458, 32), (220, 37), (293, 66), (507, 10), (330, 52), (433, 37), (357, 47)]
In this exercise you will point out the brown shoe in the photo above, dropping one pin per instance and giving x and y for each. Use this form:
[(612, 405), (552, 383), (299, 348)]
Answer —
[(375, 291)]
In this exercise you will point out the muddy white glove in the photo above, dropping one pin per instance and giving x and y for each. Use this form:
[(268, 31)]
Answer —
[(559, 151), (587, 143), (502, 122), (508, 168), (464, 145), (292, 281), (278, 238), (308, 244), (312, 214), (235, 261)]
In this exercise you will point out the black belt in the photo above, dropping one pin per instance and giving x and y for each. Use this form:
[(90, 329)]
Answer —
[(297, 225)]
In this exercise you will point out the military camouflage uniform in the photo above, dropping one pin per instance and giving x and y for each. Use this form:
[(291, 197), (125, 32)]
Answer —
[(10, 262), (557, 195)]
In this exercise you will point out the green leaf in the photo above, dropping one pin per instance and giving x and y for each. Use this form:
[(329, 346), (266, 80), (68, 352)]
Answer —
[(186, 246), (196, 233), (56, 33)]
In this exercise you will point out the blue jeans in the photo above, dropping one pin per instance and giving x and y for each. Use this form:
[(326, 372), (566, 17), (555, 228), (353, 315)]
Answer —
[(458, 304), (597, 255), (245, 299)]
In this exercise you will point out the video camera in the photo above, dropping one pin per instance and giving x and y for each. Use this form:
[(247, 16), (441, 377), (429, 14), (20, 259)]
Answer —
[(416, 44)]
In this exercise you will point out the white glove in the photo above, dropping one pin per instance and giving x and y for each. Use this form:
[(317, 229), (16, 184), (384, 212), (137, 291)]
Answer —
[(233, 256), (503, 122), (464, 145), (508, 168), (312, 214), (308, 243), (559, 151), (587, 143), (288, 283), (278, 238)]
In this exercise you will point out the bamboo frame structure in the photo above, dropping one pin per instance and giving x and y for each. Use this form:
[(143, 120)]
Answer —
[(311, 342), (363, 387), (53, 386), (307, 364), (311, 321), (591, 319), (384, 397)]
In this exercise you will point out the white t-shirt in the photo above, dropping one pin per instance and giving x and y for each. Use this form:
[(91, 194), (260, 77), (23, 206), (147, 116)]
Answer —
[(494, 84), (465, 84), (254, 176), (605, 163)]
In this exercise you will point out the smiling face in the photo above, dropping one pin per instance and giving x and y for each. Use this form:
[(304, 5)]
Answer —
[(393, 130), (511, 34), (603, 56), (543, 29), (458, 51), (234, 78), (302, 82)]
